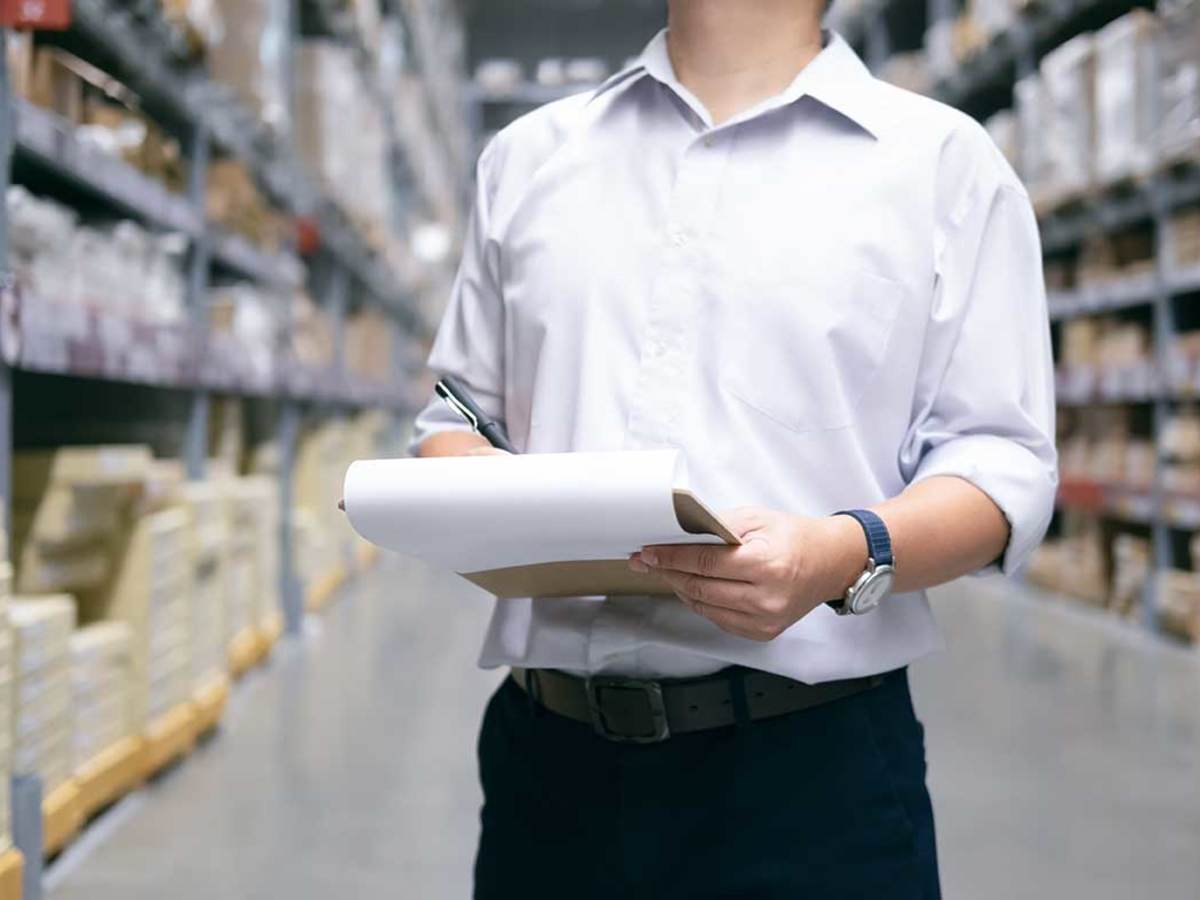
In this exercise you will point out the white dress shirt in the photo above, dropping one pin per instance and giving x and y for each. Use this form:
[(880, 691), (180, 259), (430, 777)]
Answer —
[(820, 301)]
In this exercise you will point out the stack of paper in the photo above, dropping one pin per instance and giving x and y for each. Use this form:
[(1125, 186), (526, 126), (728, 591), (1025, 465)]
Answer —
[(42, 629), (101, 682)]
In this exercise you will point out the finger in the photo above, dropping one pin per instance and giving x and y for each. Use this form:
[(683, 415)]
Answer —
[(709, 560), (486, 451), (709, 591), (737, 623)]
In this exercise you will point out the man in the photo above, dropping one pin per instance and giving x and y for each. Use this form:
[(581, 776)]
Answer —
[(828, 293)]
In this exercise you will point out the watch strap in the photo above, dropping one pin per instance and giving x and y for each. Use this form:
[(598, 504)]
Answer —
[(879, 542)]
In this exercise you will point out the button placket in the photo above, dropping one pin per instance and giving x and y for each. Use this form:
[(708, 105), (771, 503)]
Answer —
[(657, 411)]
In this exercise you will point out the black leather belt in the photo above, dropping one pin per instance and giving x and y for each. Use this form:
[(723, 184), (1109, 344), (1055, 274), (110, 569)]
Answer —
[(646, 712)]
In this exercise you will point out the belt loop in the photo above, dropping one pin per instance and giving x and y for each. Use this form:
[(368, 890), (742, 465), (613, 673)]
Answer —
[(737, 696), (533, 692)]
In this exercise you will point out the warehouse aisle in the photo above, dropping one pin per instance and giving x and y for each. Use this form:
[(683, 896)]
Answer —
[(1065, 755), (336, 774)]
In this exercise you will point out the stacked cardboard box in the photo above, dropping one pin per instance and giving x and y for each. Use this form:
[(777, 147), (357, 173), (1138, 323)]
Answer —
[(369, 344), (250, 55), (1131, 570), (1179, 447), (67, 506), (340, 133), (1185, 226), (150, 593), (233, 200), (1074, 563), (1179, 67), (1108, 106), (42, 628), (101, 685), (1100, 446), (254, 500), (242, 560), (1178, 597), (208, 590), (312, 333), (321, 461)]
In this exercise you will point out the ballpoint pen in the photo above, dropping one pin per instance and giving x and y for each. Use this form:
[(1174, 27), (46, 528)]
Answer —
[(459, 399)]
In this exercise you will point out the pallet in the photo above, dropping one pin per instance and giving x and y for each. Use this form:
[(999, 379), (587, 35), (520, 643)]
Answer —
[(169, 737), (12, 865), (110, 774), (243, 652), (321, 591), (62, 816), (209, 701)]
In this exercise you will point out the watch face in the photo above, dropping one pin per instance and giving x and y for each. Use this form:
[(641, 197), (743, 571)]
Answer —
[(869, 595)]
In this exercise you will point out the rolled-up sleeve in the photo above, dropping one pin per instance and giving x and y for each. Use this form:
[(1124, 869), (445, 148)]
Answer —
[(470, 338), (985, 405)]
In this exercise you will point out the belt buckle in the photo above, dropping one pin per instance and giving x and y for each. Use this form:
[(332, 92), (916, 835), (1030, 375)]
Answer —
[(656, 709)]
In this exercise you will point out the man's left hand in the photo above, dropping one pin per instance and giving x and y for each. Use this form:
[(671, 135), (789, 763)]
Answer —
[(785, 567)]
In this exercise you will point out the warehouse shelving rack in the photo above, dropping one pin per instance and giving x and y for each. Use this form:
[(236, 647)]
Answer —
[(187, 357), (42, 337)]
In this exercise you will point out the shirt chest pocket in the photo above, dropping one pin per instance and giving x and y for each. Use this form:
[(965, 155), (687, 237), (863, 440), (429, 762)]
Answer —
[(806, 351)]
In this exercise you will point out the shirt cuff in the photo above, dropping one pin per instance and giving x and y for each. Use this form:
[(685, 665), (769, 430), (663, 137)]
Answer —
[(1013, 476), (435, 417)]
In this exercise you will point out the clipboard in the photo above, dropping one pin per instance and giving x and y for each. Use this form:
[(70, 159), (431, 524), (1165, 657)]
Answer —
[(534, 525), (602, 577)]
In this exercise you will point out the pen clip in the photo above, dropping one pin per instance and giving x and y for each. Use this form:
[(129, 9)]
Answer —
[(455, 404)]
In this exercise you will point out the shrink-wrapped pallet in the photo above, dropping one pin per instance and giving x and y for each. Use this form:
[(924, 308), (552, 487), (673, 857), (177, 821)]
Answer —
[(42, 628), (1125, 86), (1068, 79)]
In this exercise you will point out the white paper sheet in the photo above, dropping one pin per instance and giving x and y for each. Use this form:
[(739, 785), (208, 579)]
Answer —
[(473, 513)]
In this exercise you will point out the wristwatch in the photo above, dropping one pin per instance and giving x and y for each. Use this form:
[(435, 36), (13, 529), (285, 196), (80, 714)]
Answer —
[(875, 582)]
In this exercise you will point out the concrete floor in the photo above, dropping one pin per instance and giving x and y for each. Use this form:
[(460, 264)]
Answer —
[(1064, 753)]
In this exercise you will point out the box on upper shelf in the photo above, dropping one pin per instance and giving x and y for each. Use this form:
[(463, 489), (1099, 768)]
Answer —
[(1125, 102), (1179, 65)]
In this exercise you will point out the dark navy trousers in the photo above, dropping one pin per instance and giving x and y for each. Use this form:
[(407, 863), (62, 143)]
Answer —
[(822, 804)]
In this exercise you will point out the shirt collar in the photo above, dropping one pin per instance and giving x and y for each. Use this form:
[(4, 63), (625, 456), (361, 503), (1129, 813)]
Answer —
[(835, 78)]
